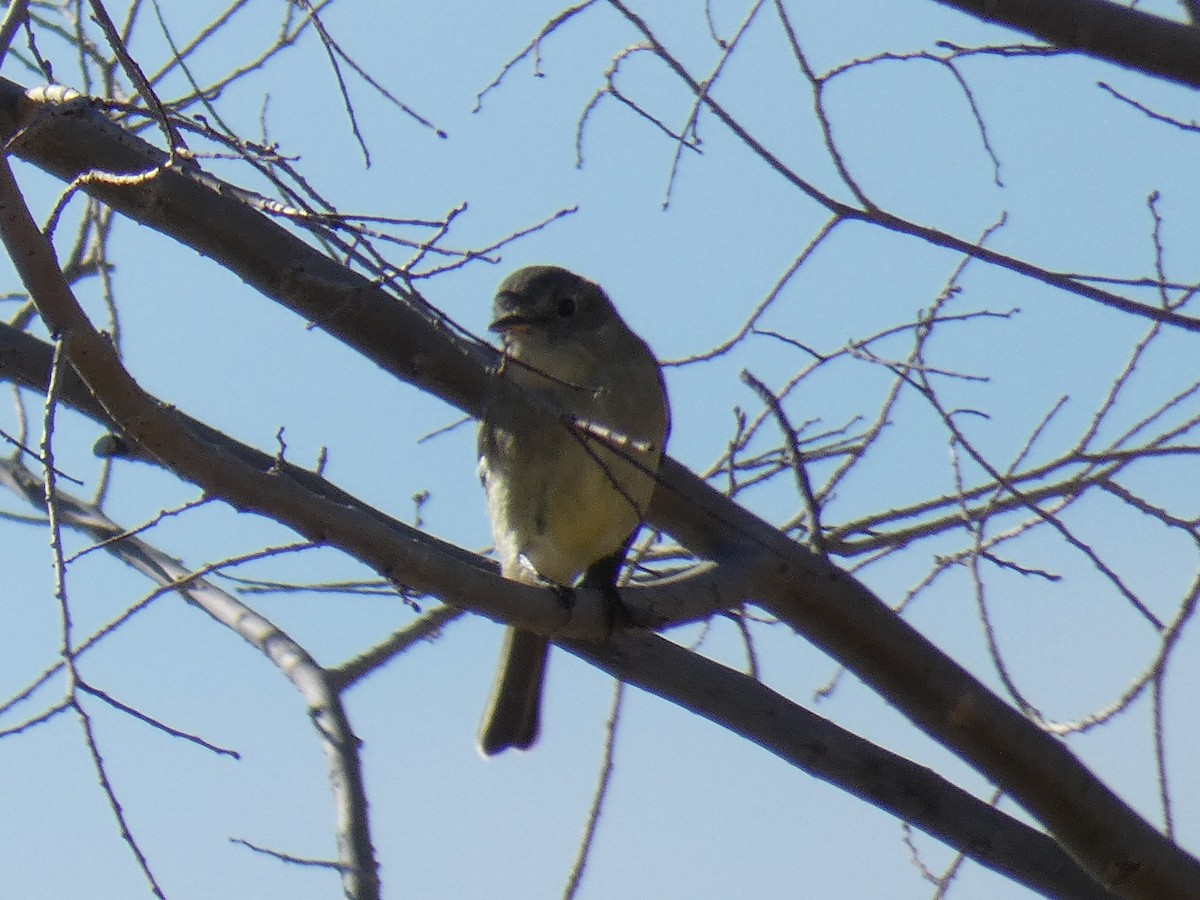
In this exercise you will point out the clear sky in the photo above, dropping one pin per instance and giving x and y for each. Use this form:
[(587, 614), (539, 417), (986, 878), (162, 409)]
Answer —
[(693, 811)]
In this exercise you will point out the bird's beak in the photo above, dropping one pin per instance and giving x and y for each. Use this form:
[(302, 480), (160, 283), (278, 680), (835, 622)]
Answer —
[(511, 315), (509, 323)]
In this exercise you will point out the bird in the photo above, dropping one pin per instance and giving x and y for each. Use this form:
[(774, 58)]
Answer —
[(567, 493)]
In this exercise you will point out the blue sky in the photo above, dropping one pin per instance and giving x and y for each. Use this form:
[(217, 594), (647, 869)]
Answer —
[(694, 811)]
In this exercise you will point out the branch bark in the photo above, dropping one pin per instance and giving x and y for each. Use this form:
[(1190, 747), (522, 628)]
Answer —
[(909, 791), (1101, 29)]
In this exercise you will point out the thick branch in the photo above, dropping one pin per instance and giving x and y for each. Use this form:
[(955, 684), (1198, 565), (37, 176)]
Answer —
[(1109, 31), (66, 136), (843, 617), (748, 707)]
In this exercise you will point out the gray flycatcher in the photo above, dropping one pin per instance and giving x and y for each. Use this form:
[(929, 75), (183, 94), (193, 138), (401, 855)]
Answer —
[(565, 499)]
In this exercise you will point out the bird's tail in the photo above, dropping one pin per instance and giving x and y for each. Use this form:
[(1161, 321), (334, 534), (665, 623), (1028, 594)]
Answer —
[(513, 713)]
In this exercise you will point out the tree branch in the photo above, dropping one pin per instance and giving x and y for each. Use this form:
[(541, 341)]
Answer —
[(64, 134), (1101, 29), (357, 864), (909, 791)]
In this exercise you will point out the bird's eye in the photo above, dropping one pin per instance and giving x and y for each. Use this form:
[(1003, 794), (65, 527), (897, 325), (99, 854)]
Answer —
[(566, 306)]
